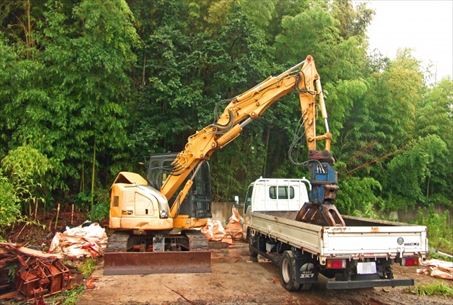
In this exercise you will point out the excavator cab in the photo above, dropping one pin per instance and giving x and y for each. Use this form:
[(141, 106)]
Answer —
[(146, 238), (198, 202)]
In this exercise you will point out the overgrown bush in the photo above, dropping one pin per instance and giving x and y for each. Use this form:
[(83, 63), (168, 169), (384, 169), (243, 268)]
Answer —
[(26, 168), (440, 231), (99, 212), (87, 267), (100, 209), (9, 209)]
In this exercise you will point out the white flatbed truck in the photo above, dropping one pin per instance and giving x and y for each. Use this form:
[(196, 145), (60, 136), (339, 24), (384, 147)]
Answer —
[(359, 255)]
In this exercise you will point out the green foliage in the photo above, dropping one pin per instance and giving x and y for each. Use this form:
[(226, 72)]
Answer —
[(439, 227), (434, 117), (99, 212), (97, 86), (87, 267), (96, 51), (351, 21), (260, 12), (357, 196), (436, 255), (71, 296), (434, 288), (9, 209), (408, 170), (231, 177), (315, 26), (26, 168)]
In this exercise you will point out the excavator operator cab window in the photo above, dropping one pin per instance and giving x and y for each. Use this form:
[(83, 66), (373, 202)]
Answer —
[(116, 201), (198, 202)]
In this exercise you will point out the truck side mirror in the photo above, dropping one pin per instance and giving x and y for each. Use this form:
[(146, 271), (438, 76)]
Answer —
[(236, 199)]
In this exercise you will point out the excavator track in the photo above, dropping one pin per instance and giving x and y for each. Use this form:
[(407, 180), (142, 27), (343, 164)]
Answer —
[(196, 258), (118, 242), (197, 242)]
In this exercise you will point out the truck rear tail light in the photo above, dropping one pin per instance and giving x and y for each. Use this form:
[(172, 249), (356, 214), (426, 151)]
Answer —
[(410, 261), (336, 264)]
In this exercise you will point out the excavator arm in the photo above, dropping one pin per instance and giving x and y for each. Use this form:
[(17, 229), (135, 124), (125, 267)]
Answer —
[(243, 109)]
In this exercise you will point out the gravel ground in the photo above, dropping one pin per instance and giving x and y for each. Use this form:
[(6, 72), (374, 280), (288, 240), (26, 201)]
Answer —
[(236, 280)]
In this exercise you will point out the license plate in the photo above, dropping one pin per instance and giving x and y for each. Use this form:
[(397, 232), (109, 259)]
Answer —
[(366, 268)]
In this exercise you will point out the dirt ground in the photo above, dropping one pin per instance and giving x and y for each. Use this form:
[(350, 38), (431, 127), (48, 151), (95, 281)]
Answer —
[(236, 280)]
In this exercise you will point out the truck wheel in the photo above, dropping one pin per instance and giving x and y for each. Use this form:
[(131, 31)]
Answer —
[(252, 252), (307, 266), (288, 271)]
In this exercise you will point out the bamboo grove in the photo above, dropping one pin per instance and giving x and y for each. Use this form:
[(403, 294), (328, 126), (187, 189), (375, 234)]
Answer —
[(92, 87)]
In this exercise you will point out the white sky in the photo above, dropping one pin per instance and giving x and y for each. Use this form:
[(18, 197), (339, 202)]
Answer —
[(425, 26)]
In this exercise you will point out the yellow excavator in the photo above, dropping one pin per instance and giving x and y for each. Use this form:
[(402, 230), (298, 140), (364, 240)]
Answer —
[(154, 222)]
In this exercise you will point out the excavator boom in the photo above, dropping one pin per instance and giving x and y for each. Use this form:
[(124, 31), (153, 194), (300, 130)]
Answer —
[(242, 109)]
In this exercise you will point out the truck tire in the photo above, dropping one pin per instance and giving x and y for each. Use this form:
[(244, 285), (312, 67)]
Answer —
[(307, 265), (252, 252), (288, 271)]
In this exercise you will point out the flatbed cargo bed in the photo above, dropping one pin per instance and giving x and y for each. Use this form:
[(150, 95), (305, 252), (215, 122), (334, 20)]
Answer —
[(361, 238)]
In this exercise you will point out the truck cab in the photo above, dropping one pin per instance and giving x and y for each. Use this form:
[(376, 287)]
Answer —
[(275, 195)]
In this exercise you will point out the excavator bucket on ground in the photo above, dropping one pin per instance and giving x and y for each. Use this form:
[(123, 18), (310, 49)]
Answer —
[(128, 254), (120, 263)]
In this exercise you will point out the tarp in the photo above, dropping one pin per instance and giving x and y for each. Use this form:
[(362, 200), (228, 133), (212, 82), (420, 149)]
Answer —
[(233, 231), (234, 226), (81, 241), (213, 230)]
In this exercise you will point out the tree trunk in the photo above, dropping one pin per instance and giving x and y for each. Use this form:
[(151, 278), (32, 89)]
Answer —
[(93, 171)]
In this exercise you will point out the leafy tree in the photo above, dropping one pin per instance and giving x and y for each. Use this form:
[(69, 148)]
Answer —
[(382, 122), (69, 99), (9, 209), (96, 87), (26, 168), (352, 21), (357, 196), (282, 9), (310, 32), (408, 171), (89, 98), (259, 12), (434, 117), (23, 98)]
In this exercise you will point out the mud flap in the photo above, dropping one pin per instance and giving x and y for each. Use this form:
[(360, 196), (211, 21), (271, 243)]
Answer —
[(121, 263)]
